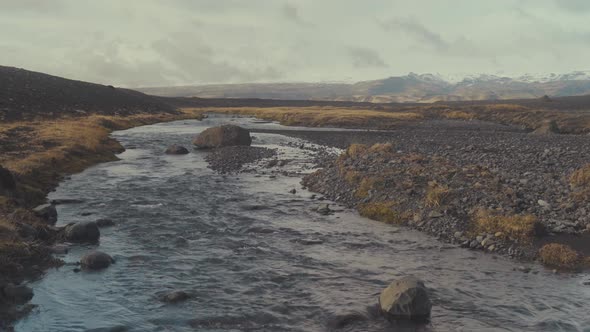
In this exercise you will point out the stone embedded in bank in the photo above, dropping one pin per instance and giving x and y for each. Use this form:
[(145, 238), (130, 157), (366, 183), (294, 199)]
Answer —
[(406, 299), (226, 135), (7, 182), (47, 212), (17, 294)]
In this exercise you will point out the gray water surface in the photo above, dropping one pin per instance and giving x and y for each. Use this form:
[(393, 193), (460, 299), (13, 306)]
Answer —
[(256, 258)]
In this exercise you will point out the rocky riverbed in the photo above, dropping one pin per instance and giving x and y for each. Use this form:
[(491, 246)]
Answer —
[(231, 159), (196, 249), (474, 166)]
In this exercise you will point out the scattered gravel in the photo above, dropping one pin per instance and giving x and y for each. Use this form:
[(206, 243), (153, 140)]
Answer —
[(522, 174), (231, 159)]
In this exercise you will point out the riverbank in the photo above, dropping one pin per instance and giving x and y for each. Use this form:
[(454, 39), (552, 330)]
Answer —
[(35, 156), (475, 184), (180, 226)]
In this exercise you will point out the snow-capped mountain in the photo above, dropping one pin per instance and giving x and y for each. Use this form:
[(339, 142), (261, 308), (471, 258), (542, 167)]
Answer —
[(409, 88)]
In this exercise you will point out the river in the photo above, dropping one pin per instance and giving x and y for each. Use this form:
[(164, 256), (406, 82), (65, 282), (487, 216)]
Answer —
[(255, 257)]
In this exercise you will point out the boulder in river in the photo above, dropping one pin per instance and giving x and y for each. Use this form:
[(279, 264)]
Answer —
[(226, 135), (175, 297), (96, 260), (176, 150), (405, 299), (47, 212), (324, 209), (82, 232)]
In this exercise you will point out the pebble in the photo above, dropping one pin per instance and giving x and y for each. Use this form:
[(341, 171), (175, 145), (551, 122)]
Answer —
[(435, 214), (524, 269)]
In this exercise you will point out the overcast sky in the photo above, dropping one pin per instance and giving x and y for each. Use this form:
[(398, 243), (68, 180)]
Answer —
[(174, 42)]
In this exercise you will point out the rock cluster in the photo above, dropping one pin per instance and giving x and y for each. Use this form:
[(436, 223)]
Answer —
[(231, 159)]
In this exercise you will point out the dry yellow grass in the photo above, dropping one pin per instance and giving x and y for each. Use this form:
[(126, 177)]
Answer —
[(436, 193), (506, 107), (46, 143), (352, 177), (381, 211), (580, 183), (521, 227), (319, 116), (355, 151), (381, 148), (366, 184), (559, 255), (458, 115)]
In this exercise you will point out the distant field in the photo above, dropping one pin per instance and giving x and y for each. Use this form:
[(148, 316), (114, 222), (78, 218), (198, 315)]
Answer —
[(320, 116), (529, 117)]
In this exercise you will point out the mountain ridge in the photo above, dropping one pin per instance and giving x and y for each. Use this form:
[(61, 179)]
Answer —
[(421, 88)]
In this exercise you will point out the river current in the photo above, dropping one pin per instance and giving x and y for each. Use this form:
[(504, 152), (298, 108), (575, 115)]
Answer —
[(255, 257)]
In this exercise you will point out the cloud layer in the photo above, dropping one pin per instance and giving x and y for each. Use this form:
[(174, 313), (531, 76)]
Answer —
[(175, 42)]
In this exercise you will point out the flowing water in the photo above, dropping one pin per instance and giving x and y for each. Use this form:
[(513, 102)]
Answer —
[(255, 257)]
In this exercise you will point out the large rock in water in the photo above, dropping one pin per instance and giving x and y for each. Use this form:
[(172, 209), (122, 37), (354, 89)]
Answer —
[(82, 232), (406, 298), (96, 260), (226, 135)]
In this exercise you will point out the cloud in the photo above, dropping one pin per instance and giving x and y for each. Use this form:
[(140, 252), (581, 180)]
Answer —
[(291, 13), (192, 61), (365, 57), (418, 31), (573, 5), (428, 39), (35, 6)]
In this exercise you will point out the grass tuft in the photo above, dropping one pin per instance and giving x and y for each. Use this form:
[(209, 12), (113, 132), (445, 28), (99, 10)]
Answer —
[(380, 211), (436, 194), (580, 183), (559, 256), (355, 151), (521, 227)]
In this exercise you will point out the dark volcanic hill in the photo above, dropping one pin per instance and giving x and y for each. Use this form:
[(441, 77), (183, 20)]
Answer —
[(26, 95)]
